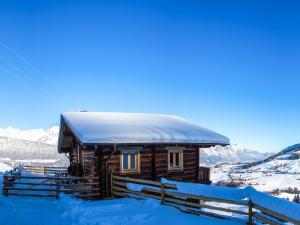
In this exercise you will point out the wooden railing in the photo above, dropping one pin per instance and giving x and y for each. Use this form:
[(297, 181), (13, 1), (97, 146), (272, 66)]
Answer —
[(50, 186), (45, 169), (166, 193)]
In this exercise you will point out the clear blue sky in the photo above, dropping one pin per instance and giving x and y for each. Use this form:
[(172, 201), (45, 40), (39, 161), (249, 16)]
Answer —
[(232, 67)]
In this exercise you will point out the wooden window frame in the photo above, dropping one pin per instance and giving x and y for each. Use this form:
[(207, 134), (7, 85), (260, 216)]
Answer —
[(180, 167), (137, 161)]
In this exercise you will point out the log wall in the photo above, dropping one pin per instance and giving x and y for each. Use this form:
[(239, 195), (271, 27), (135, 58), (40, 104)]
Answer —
[(190, 164), (153, 164)]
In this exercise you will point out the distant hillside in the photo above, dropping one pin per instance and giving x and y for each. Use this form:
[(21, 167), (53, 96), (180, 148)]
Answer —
[(288, 155), (279, 171), (14, 151), (230, 154), (49, 136)]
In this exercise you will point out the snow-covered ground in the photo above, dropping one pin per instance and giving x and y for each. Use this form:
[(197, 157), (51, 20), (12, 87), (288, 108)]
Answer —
[(4, 167), (68, 210), (71, 211)]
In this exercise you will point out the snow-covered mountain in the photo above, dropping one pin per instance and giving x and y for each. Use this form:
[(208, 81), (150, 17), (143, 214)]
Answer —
[(279, 171), (14, 151), (286, 161), (230, 154), (49, 136), (36, 146)]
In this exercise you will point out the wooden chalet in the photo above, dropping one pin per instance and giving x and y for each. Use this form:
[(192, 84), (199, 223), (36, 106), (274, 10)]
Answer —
[(145, 146)]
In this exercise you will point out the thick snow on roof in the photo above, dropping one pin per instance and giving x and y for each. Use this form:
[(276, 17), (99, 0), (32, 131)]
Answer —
[(134, 128)]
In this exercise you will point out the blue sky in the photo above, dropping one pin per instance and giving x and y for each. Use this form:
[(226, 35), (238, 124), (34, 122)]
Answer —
[(229, 66)]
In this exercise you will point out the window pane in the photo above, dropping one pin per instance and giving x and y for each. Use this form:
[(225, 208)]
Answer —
[(132, 160), (177, 159), (171, 159), (125, 161)]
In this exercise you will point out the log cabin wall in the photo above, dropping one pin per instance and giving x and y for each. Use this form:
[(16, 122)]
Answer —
[(89, 162), (153, 165), (114, 163), (190, 164), (74, 155)]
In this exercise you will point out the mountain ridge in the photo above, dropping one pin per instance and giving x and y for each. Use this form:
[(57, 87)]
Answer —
[(49, 136), (208, 156), (230, 154)]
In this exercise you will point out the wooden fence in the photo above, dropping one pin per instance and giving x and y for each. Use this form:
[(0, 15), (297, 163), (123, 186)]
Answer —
[(196, 204), (45, 169), (50, 186)]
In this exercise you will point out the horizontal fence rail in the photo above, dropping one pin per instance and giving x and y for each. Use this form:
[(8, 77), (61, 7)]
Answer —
[(45, 169), (50, 186), (197, 204)]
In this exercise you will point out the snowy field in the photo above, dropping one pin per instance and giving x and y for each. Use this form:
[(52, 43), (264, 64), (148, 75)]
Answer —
[(71, 211), (261, 180)]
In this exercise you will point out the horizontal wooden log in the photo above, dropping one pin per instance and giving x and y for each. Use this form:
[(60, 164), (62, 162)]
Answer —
[(29, 189), (32, 195), (79, 190), (275, 214), (199, 206), (90, 195), (52, 178), (31, 177), (147, 182), (80, 184), (123, 184), (135, 192), (265, 219), (35, 184), (200, 197), (46, 167), (121, 194)]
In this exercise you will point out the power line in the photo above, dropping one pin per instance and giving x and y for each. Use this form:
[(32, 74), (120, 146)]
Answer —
[(28, 78), (10, 73), (21, 81), (22, 58)]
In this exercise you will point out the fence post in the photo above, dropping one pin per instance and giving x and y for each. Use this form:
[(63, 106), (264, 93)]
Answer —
[(44, 170), (162, 186), (111, 184), (57, 186), (250, 212), (4, 190)]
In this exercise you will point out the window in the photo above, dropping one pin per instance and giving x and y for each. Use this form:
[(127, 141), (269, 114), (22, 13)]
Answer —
[(130, 161), (175, 160)]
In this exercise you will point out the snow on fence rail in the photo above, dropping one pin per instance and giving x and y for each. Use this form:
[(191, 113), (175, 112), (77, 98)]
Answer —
[(50, 186), (253, 206)]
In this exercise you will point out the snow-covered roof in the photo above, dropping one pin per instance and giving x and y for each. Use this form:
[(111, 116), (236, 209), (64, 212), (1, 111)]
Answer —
[(137, 128)]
